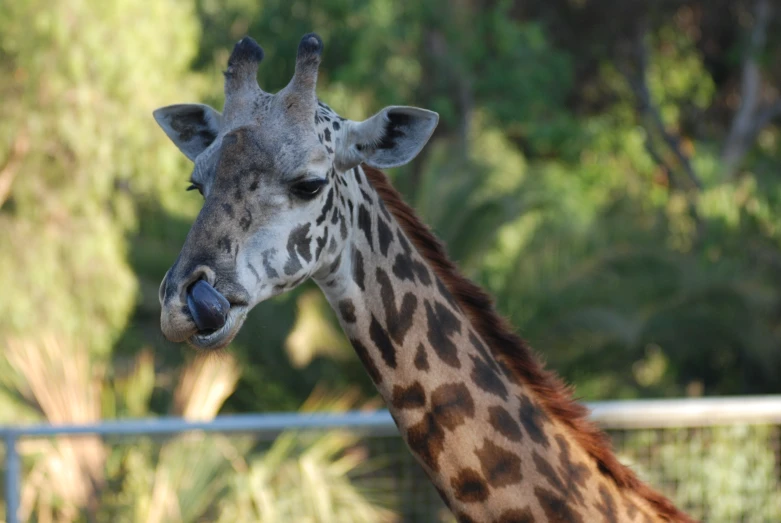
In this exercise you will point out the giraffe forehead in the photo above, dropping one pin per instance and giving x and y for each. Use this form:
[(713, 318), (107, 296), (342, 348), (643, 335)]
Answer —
[(265, 155), (266, 126)]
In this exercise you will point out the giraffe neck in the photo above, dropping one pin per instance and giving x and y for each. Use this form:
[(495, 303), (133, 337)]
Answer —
[(481, 430)]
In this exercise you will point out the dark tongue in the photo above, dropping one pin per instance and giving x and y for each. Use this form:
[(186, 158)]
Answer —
[(208, 307)]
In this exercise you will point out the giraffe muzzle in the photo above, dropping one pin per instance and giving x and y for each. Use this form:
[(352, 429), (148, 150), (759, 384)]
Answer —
[(208, 308)]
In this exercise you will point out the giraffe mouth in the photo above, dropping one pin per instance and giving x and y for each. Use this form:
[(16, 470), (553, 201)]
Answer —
[(220, 338)]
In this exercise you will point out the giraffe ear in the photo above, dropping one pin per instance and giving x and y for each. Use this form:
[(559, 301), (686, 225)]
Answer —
[(390, 138), (192, 127)]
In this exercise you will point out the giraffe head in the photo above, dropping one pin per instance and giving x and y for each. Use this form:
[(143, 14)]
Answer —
[(277, 208)]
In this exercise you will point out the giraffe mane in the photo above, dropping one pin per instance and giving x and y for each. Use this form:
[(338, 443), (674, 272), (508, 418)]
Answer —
[(554, 395)]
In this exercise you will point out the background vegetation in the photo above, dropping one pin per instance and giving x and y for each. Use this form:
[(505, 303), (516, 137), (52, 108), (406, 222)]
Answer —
[(609, 171)]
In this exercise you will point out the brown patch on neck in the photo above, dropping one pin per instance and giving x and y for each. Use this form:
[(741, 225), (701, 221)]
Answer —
[(550, 390)]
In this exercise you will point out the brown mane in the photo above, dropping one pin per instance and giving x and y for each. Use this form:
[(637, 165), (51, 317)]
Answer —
[(555, 396)]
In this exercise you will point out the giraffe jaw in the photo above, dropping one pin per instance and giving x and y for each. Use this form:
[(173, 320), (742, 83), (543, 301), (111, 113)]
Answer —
[(220, 338)]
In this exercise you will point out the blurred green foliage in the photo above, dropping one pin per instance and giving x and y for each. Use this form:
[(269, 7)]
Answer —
[(577, 173)]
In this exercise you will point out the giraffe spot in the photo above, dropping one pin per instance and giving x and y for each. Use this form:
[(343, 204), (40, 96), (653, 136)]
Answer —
[(421, 272), (254, 185), (500, 466), (298, 243), (380, 338), (412, 397), (335, 264), (347, 310), (445, 292), (556, 509), (532, 419), (365, 224), (427, 439), (452, 404), (253, 271), (228, 208), (329, 202), (366, 197), (402, 268), (332, 246), (384, 235), (607, 506), (246, 220), (406, 268), (343, 226), (441, 325), (358, 274), (336, 125), (385, 211), (224, 243), (516, 515), (366, 359), (487, 379), (469, 487), (503, 422), (357, 175), (631, 509), (321, 244), (271, 272), (480, 348), (562, 484), (330, 151), (421, 358), (575, 474), (351, 207), (335, 216), (546, 470), (403, 241), (327, 134), (398, 321)]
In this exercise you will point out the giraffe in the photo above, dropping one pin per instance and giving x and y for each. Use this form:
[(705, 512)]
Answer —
[(294, 191)]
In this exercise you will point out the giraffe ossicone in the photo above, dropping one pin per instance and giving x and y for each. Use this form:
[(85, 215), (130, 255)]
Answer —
[(293, 191)]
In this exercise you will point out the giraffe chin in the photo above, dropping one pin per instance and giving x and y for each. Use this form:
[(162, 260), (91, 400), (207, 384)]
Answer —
[(220, 338)]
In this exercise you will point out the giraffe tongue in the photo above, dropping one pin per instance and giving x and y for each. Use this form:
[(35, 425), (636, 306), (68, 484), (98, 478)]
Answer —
[(208, 307)]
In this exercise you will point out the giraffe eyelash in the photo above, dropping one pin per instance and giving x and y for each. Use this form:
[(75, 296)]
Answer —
[(308, 189)]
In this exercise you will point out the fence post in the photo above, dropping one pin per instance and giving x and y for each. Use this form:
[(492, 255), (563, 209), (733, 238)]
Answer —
[(12, 477)]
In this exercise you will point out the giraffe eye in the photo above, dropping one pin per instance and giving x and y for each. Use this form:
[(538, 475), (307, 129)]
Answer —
[(308, 189)]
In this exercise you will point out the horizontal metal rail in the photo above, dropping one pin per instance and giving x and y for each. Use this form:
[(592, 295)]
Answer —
[(622, 414), (261, 425), (688, 412)]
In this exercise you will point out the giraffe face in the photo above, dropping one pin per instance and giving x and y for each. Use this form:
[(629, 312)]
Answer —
[(277, 207), (265, 204)]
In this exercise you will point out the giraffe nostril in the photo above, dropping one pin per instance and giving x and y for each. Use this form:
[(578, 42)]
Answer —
[(208, 307)]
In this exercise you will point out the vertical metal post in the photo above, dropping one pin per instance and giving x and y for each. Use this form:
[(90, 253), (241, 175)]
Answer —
[(13, 469)]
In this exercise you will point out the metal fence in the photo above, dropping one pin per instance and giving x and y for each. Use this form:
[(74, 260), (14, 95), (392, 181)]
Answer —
[(718, 458)]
